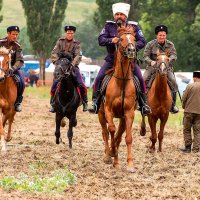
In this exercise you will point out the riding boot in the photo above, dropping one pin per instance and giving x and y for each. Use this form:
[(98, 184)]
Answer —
[(18, 107), (142, 100), (96, 102), (174, 108), (85, 103), (52, 105), (186, 149)]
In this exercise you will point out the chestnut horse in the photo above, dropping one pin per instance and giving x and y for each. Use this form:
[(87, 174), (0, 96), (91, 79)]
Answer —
[(159, 100), (120, 100), (8, 95)]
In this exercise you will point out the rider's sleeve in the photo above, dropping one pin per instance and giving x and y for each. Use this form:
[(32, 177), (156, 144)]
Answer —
[(55, 51), (77, 54), (104, 37), (140, 40), (147, 53), (173, 54), (185, 96), (19, 61)]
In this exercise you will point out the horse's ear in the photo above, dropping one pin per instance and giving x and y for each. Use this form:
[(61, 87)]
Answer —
[(158, 52)]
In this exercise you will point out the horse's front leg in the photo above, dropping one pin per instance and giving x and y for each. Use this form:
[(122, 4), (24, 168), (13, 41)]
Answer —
[(72, 123), (129, 123), (105, 134), (118, 139), (153, 137), (160, 134), (10, 121), (58, 123), (143, 126), (112, 130), (3, 144)]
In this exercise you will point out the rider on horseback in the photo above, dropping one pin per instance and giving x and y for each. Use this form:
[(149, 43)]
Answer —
[(71, 48), (109, 38), (150, 55), (16, 62)]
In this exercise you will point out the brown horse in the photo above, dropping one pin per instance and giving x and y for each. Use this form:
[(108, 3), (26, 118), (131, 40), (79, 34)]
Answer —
[(8, 95), (159, 100), (120, 100)]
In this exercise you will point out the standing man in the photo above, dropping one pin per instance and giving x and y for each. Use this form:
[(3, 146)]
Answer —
[(109, 38), (16, 61), (150, 54), (191, 119), (70, 46)]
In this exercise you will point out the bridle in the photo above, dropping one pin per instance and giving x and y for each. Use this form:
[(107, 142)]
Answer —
[(128, 51), (163, 66)]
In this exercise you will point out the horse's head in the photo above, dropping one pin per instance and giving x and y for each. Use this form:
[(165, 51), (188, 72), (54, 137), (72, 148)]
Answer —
[(162, 62), (127, 42), (62, 69), (5, 62)]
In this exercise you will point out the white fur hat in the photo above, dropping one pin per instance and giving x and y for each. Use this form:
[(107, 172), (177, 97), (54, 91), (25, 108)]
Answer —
[(121, 8)]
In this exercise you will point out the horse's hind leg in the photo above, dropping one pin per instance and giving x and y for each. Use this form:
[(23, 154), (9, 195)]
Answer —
[(118, 139)]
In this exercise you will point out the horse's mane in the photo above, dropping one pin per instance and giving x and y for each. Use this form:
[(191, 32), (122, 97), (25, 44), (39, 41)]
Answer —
[(4, 50), (128, 29)]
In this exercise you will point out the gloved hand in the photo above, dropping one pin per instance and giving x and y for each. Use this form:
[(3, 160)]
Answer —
[(153, 63), (11, 70)]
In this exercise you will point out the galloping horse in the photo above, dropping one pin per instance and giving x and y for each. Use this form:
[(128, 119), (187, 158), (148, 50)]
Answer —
[(120, 100), (159, 100), (8, 95), (67, 98)]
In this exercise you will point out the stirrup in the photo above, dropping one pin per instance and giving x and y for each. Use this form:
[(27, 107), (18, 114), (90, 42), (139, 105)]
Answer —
[(93, 109), (18, 107), (174, 110), (146, 110), (52, 109)]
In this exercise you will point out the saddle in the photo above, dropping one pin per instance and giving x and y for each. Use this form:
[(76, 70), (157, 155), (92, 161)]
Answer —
[(150, 82), (107, 79)]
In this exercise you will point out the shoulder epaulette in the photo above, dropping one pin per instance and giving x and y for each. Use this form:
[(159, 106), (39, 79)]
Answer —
[(169, 42), (62, 38), (132, 22), (109, 21), (3, 40)]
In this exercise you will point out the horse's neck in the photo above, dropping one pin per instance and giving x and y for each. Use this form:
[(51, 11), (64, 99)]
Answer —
[(122, 67), (66, 88), (161, 85)]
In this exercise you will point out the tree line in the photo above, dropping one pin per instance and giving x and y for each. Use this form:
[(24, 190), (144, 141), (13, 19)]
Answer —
[(44, 26)]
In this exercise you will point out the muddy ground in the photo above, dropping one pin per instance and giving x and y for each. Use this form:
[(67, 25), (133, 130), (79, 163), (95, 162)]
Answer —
[(166, 175)]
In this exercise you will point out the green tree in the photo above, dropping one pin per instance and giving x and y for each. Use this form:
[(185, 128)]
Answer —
[(1, 3), (44, 20)]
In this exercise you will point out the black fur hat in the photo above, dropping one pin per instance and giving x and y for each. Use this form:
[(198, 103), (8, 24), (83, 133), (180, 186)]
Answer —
[(161, 28)]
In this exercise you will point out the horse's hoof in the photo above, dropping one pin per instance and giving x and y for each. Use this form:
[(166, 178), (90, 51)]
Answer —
[(142, 133), (107, 160), (8, 139), (151, 150), (131, 169), (57, 141)]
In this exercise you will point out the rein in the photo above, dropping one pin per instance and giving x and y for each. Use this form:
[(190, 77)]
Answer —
[(124, 76)]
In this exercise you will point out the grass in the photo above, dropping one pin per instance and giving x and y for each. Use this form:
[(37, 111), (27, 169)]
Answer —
[(35, 181)]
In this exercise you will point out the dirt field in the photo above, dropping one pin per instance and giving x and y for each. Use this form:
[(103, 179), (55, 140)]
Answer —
[(166, 175)]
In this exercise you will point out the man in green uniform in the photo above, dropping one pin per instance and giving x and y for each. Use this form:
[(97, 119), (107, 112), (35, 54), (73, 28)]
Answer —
[(150, 54)]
